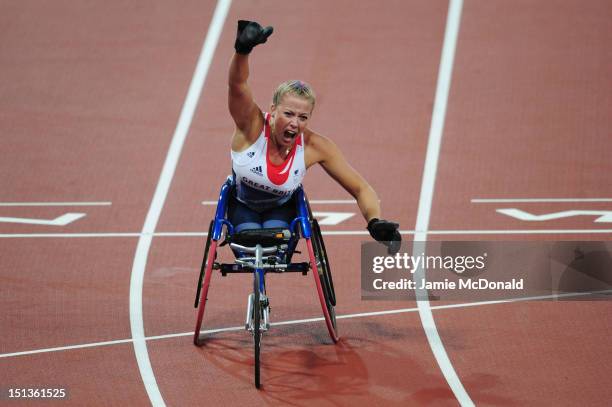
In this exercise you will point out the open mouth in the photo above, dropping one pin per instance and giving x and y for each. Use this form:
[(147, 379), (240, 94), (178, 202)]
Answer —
[(289, 135)]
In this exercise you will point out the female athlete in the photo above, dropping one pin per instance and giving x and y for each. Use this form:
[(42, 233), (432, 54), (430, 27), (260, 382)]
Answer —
[(271, 151)]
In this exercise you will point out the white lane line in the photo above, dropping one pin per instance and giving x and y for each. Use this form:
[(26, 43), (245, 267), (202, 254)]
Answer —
[(426, 198), (161, 191), (511, 200), (64, 348), (313, 201), (61, 220), (323, 201), (55, 204), (115, 342), (64, 235), (332, 201), (325, 233), (519, 232), (601, 216), (101, 235), (307, 320)]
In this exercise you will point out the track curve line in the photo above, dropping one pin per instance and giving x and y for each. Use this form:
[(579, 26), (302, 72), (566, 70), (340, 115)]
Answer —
[(453, 19), (159, 197)]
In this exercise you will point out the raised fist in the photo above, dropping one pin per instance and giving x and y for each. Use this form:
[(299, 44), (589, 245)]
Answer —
[(249, 35)]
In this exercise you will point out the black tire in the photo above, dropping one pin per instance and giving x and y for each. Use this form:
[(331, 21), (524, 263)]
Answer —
[(324, 272), (203, 267), (256, 326)]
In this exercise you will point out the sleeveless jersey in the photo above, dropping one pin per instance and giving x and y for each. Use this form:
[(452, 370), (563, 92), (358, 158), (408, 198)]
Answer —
[(259, 183)]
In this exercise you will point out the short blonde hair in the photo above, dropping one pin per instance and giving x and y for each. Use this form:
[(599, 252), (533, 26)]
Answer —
[(294, 87)]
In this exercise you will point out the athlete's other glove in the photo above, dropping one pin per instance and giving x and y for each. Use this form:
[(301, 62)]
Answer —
[(386, 232), (249, 35)]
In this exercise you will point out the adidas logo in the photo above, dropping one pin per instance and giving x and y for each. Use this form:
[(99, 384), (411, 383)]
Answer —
[(257, 170), (251, 154)]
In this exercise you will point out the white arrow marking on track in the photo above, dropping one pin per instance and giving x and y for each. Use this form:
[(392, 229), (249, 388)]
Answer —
[(59, 221), (604, 216), (332, 218)]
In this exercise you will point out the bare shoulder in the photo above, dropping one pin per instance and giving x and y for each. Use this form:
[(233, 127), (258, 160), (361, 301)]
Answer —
[(324, 151), (318, 148), (245, 137)]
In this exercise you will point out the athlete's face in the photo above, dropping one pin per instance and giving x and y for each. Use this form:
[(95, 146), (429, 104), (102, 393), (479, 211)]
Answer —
[(289, 119)]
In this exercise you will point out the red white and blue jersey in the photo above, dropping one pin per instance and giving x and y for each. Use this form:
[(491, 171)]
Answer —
[(260, 184)]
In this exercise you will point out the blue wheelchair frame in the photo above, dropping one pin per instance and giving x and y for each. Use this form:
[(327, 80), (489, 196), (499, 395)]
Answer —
[(302, 220), (301, 226)]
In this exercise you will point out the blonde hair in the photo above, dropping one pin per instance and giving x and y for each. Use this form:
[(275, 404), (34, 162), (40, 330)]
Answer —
[(294, 87)]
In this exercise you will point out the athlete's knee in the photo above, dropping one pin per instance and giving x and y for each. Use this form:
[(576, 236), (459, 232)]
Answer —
[(247, 226), (275, 223)]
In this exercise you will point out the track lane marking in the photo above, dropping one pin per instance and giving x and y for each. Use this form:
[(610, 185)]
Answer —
[(312, 201), (601, 216), (325, 233), (529, 200), (451, 33), (304, 321), (4, 204), (159, 197), (61, 220)]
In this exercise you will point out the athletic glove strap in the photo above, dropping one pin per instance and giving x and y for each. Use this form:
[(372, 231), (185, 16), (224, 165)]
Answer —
[(249, 35)]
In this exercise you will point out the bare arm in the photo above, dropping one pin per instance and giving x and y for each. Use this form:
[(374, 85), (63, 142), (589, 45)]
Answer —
[(335, 164), (326, 153), (242, 107)]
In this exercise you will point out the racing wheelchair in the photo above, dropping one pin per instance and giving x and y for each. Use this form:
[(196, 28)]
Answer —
[(260, 251)]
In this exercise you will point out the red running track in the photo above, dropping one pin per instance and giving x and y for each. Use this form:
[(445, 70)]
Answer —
[(91, 95)]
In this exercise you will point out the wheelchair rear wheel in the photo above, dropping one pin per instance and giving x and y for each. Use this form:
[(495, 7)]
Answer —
[(205, 274), (328, 283), (323, 279)]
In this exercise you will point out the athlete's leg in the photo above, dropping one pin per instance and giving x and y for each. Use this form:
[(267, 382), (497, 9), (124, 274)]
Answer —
[(242, 217), (280, 217)]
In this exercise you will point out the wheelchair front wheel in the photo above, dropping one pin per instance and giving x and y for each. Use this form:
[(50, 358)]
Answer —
[(257, 311)]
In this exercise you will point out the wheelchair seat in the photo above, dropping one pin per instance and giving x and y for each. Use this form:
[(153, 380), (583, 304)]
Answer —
[(266, 237)]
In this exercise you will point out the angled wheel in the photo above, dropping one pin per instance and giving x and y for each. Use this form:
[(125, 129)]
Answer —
[(328, 283), (257, 326), (204, 282), (323, 279)]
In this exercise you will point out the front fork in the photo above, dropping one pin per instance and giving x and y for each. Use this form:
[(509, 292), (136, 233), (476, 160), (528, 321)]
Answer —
[(263, 300)]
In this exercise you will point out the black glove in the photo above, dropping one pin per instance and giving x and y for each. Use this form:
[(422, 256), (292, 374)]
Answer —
[(386, 232), (249, 35)]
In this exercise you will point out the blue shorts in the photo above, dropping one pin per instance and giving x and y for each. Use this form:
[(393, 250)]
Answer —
[(243, 217)]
